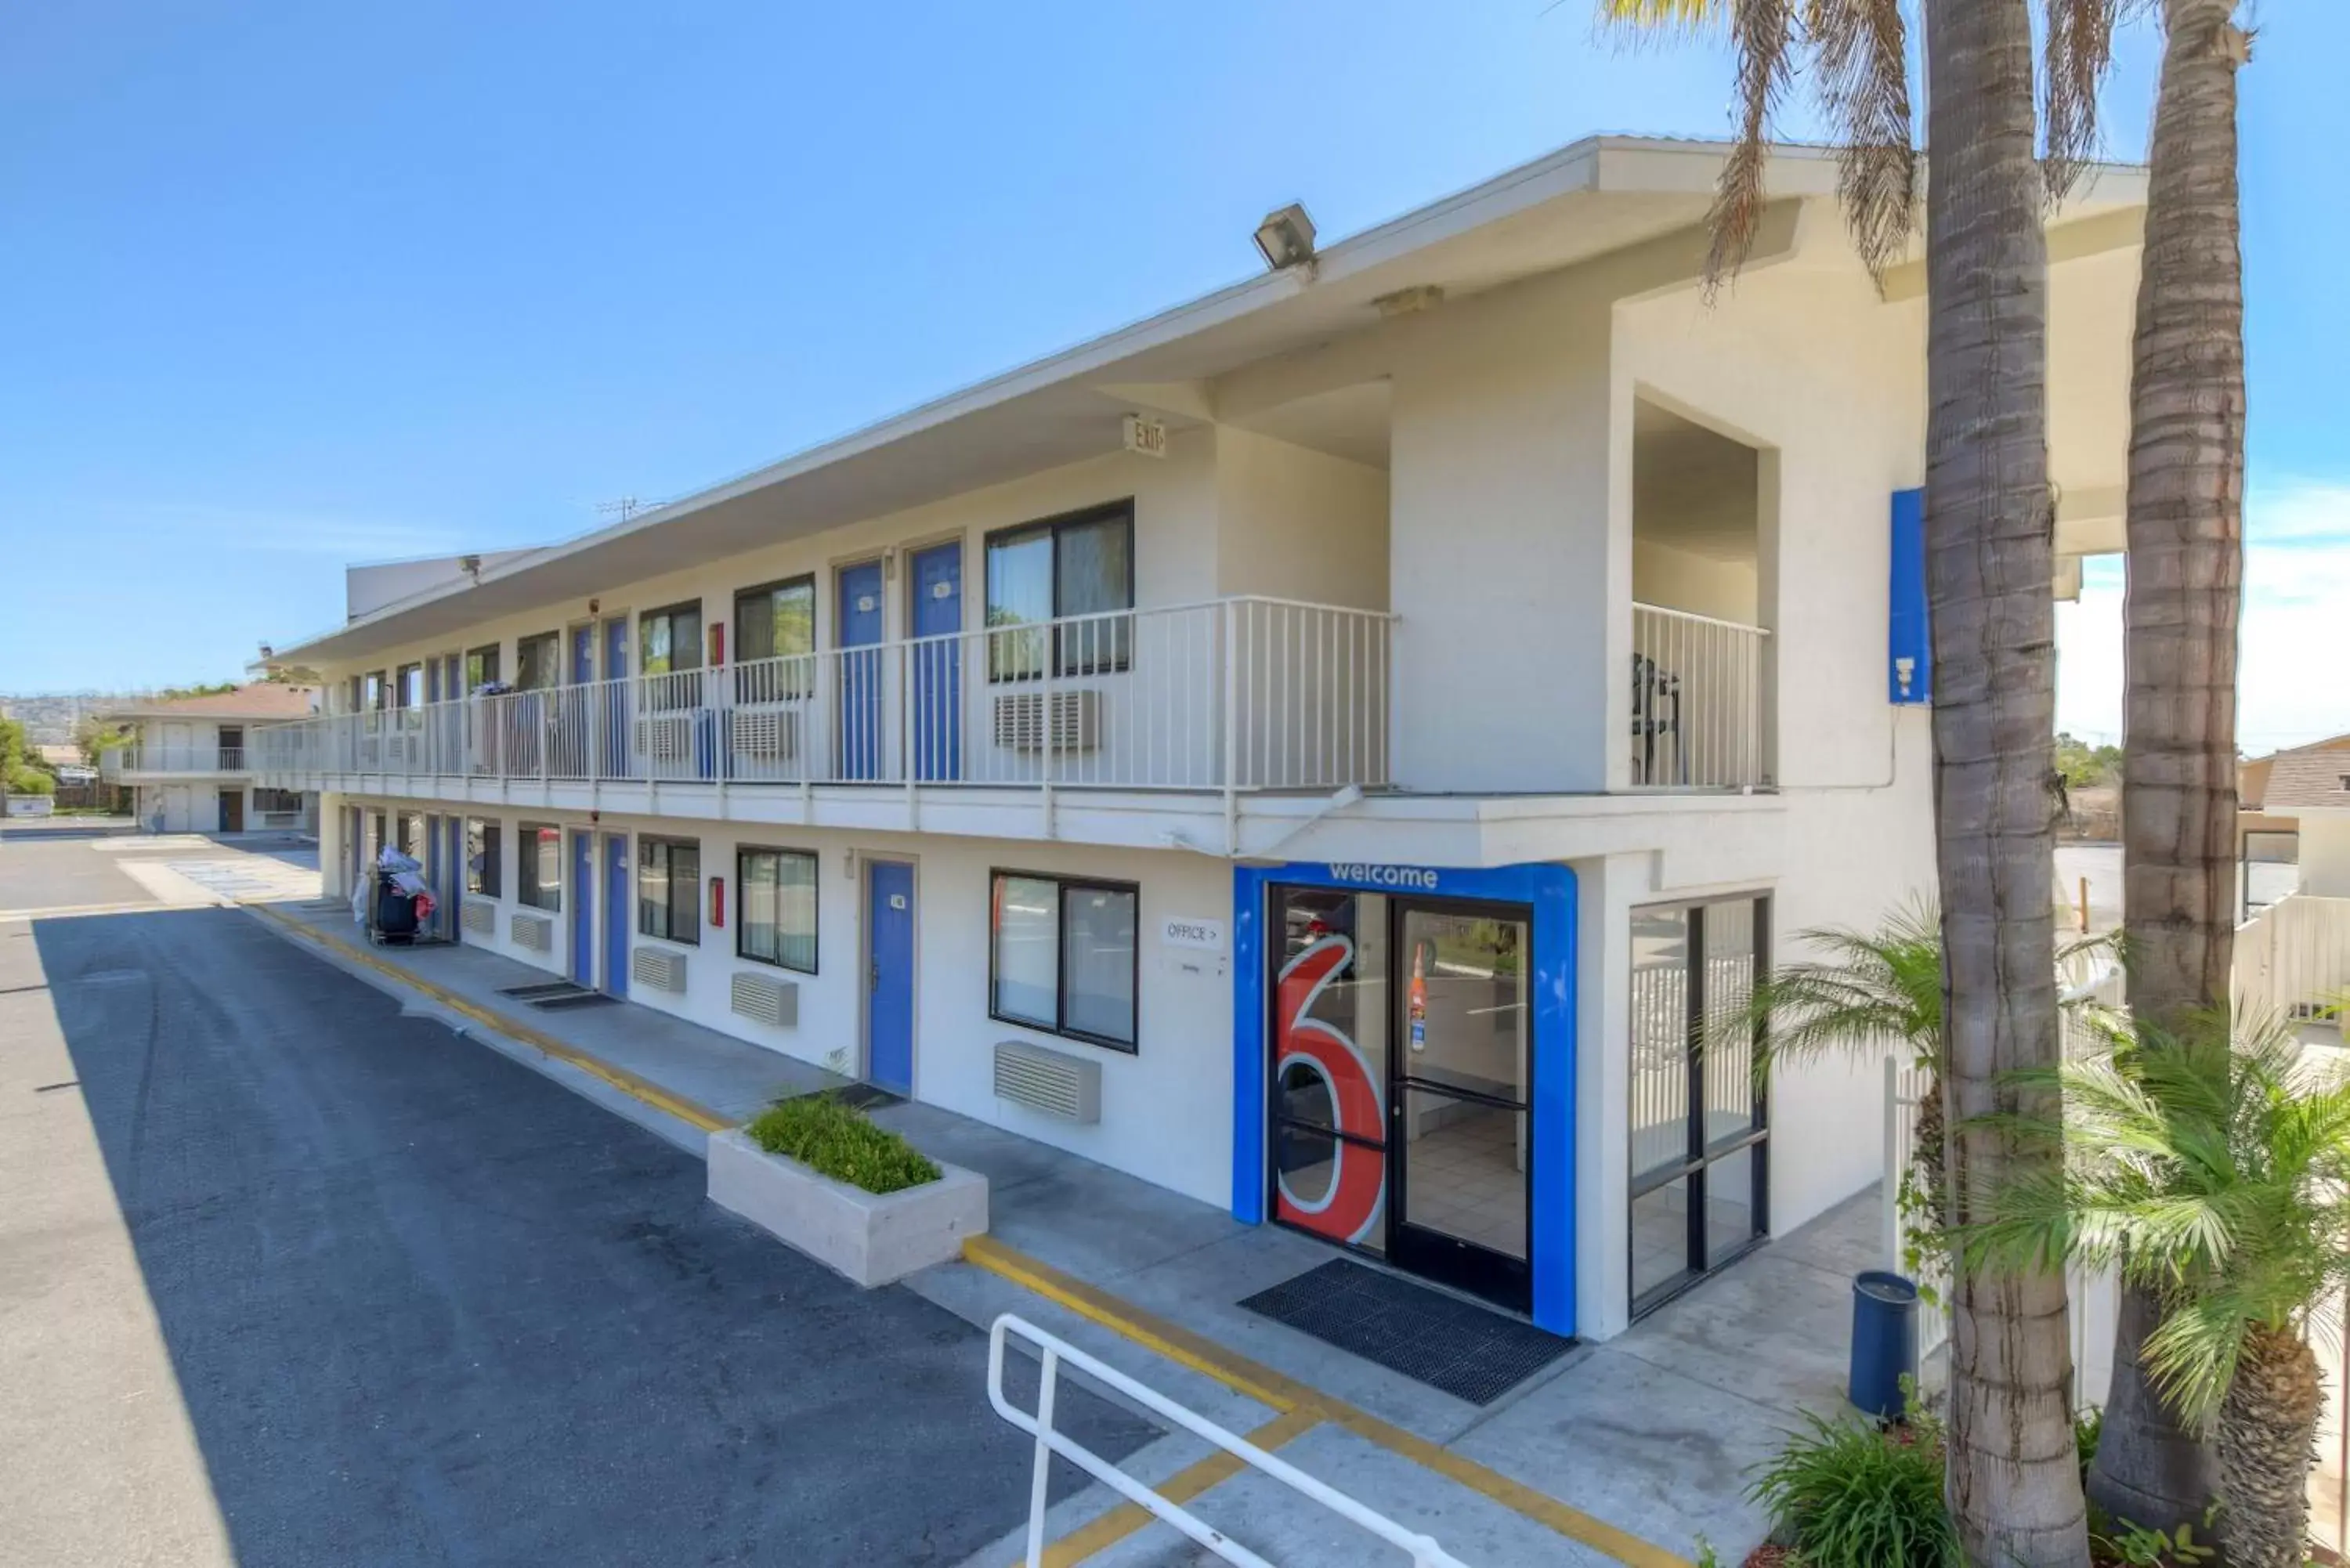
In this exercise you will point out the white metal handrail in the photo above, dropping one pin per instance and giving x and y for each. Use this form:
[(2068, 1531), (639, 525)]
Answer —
[(1231, 694), (1697, 701), (1053, 1351), (188, 758)]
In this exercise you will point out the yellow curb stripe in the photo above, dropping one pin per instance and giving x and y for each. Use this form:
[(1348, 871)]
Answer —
[(620, 1078), (1178, 1344), (1288, 1395), (1107, 1531)]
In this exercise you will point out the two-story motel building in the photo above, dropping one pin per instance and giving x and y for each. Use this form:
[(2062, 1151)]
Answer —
[(1318, 749)]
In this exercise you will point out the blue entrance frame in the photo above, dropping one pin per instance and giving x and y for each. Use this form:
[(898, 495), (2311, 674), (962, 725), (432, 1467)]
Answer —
[(1549, 892)]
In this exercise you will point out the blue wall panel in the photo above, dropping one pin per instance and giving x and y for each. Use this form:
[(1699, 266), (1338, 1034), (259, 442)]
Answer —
[(1909, 634)]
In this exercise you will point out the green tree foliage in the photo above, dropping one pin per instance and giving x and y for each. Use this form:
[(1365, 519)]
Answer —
[(95, 738), (2083, 765), (2214, 1173), (21, 769)]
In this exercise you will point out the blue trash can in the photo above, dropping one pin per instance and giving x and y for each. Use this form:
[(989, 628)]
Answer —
[(1884, 1341)]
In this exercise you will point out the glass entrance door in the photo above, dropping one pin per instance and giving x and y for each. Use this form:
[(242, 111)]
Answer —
[(1700, 1130), (1402, 1076), (1330, 1093), (1462, 1085)]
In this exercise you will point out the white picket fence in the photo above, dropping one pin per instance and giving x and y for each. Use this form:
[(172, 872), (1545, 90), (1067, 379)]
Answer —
[(2090, 980), (2293, 962)]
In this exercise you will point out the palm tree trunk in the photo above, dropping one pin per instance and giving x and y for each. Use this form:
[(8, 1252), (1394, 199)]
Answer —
[(2015, 1482), (2268, 1429), (2151, 1467), (2186, 572)]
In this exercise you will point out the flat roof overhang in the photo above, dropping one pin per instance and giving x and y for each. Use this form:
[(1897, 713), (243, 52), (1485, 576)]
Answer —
[(1595, 196)]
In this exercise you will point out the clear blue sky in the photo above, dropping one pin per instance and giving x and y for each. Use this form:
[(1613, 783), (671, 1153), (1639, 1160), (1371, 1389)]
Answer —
[(356, 282)]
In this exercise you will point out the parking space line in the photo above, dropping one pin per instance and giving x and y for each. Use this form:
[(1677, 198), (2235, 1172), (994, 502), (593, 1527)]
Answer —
[(1105, 1531), (81, 912), (620, 1078), (1287, 1396)]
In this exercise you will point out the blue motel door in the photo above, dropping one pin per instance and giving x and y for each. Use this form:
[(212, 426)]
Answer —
[(889, 1006), (583, 908), (936, 585), (617, 914), (861, 671)]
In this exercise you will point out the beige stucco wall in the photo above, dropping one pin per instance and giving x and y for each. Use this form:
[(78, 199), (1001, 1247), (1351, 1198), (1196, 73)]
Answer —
[(1297, 524), (2326, 854)]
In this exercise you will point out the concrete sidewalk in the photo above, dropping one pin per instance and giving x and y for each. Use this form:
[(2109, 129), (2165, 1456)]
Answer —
[(1626, 1451), (680, 1079)]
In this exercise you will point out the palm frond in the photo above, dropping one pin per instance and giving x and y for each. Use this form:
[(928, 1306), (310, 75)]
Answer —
[(1687, 15), (2077, 47), (1762, 36), (1864, 66), (1864, 990), (2208, 1164)]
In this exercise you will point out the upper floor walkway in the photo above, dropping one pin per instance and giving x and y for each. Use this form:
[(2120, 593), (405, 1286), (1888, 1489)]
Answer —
[(1245, 694), (141, 763)]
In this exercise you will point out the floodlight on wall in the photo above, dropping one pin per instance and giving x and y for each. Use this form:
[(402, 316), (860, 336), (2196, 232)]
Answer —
[(1286, 238)]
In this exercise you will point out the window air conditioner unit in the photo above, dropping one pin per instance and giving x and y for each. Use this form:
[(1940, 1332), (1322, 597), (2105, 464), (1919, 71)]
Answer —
[(663, 969), (666, 737), (766, 732), (1075, 723), (766, 999), (536, 932), (1051, 1082), (479, 918)]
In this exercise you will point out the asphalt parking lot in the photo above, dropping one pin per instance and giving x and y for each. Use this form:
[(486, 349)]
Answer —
[(420, 1304)]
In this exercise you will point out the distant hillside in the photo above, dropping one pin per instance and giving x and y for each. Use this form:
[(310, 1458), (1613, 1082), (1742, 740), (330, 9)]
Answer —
[(48, 717)]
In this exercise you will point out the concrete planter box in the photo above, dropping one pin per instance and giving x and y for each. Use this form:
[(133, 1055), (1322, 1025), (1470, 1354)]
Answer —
[(871, 1238)]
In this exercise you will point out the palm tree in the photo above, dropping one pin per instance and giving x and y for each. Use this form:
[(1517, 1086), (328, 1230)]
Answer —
[(2185, 498), (2215, 1176), (2014, 1486), (2184, 520), (1864, 990)]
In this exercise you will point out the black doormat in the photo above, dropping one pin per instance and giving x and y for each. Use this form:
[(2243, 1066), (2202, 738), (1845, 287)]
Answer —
[(571, 999), (867, 1096), (1468, 1351), (539, 988)]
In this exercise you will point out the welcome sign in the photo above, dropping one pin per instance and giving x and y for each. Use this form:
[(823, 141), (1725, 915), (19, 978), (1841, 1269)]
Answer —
[(1421, 877)]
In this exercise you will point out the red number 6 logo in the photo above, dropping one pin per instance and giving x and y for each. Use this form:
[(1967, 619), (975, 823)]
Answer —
[(1350, 1205)]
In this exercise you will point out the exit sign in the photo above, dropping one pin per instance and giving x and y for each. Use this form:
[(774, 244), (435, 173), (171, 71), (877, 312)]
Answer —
[(1146, 435)]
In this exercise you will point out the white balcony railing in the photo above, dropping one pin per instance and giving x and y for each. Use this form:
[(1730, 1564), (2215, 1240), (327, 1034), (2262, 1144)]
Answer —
[(1239, 694), (1697, 701), (123, 760)]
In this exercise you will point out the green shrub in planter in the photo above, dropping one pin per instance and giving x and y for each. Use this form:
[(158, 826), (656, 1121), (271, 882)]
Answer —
[(1844, 1495), (837, 1141)]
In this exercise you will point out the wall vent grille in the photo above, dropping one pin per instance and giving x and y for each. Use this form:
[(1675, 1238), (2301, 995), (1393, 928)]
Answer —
[(659, 968), (766, 999), (1051, 1082)]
